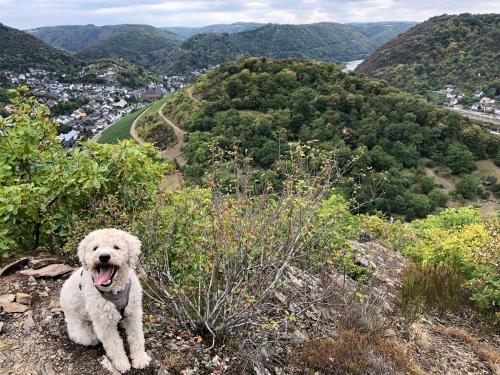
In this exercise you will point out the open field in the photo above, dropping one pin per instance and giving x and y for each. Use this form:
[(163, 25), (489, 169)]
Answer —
[(120, 130)]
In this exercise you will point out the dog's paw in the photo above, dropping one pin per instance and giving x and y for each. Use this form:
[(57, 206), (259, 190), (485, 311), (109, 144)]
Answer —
[(141, 361), (122, 365)]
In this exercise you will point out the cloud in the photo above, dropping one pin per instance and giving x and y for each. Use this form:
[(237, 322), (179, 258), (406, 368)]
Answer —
[(33, 13)]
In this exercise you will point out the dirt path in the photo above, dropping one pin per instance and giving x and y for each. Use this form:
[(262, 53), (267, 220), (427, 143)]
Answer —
[(174, 153), (133, 132), (171, 153)]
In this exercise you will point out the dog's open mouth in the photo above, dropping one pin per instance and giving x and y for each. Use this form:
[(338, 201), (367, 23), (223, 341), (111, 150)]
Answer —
[(105, 274)]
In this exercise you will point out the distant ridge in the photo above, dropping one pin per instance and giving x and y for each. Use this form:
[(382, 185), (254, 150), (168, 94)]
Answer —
[(320, 41), (231, 28), (76, 38), (449, 49), (20, 51), (162, 50)]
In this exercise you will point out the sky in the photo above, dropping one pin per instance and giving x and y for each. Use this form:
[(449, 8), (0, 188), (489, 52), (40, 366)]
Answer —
[(25, 14)]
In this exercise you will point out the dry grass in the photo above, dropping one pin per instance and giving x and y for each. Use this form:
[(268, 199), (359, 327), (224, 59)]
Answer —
[(436, 289), (352, 352), (487, 355)]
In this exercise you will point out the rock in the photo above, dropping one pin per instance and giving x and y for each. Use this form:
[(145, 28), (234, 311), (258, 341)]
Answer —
[(52, 270), (216, 361), (280, 297), (363, 262), (54, 305), (31, 280), (44, 294), (47, 369), (7, 298), (29, 322), (23, 298), (300, 336), (14, 266), (1, 326), (39, 263), (14, 307)]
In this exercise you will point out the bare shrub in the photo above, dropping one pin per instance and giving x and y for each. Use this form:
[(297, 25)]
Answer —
[(365, 315), (218, 256)]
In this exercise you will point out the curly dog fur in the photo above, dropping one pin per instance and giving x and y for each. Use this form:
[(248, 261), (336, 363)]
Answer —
[(90, 317)]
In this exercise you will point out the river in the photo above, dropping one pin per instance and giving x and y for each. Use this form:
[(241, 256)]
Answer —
[(351, 65)]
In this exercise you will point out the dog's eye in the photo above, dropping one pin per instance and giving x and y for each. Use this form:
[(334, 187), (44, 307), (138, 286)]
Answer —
[(116, 247), (95, 248)]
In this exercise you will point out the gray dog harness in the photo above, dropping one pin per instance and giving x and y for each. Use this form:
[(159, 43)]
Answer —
[(119, 299)]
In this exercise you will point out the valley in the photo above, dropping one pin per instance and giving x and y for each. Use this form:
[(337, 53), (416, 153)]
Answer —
[(308, 198)]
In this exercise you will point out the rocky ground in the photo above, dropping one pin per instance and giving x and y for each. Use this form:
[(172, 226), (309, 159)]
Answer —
[(33, 339)]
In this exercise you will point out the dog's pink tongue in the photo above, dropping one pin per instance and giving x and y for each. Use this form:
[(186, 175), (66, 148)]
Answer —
[(103, 276)]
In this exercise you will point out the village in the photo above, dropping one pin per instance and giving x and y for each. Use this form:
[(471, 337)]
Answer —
[(480, 102), (83, 110)]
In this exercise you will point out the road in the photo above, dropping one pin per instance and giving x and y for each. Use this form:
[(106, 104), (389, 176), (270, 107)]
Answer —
[(492, 122), (171, 153)]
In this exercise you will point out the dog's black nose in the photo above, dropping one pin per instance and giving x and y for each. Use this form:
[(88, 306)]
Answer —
[(104, 258)]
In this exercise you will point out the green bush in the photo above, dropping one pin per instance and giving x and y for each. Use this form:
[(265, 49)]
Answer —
[(459, 158), (497, 159), (438, 197), (467, 187), (152, 128), (44, 188), (467, 244)]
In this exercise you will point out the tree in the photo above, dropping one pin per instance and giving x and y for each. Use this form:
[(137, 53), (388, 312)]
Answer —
[(459, 158), (407, 155), (418, 207), (438, 197), (43, 188), (468, 187)]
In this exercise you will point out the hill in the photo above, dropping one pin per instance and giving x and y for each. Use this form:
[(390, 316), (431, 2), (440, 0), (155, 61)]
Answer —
[(381, 32), (20, 51), (292, 278), (76, 38), (461, 50), (135, 44), (263, 104), (321, 41), (231, 28), (201, 51), (163, 50)]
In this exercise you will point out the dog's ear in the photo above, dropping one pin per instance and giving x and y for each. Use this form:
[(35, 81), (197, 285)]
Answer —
[(134, 249), (82, 246)]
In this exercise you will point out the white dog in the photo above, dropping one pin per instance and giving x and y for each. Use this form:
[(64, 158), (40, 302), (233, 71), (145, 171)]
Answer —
[(104, 292)]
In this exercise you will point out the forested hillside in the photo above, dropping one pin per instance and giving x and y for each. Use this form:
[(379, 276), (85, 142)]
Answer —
[(20, 51), (137, 45), (321, 41), (76, 38), (201, 51), (261, 105), (461, 50), (381, 32), (164, 51), (231, 28)]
